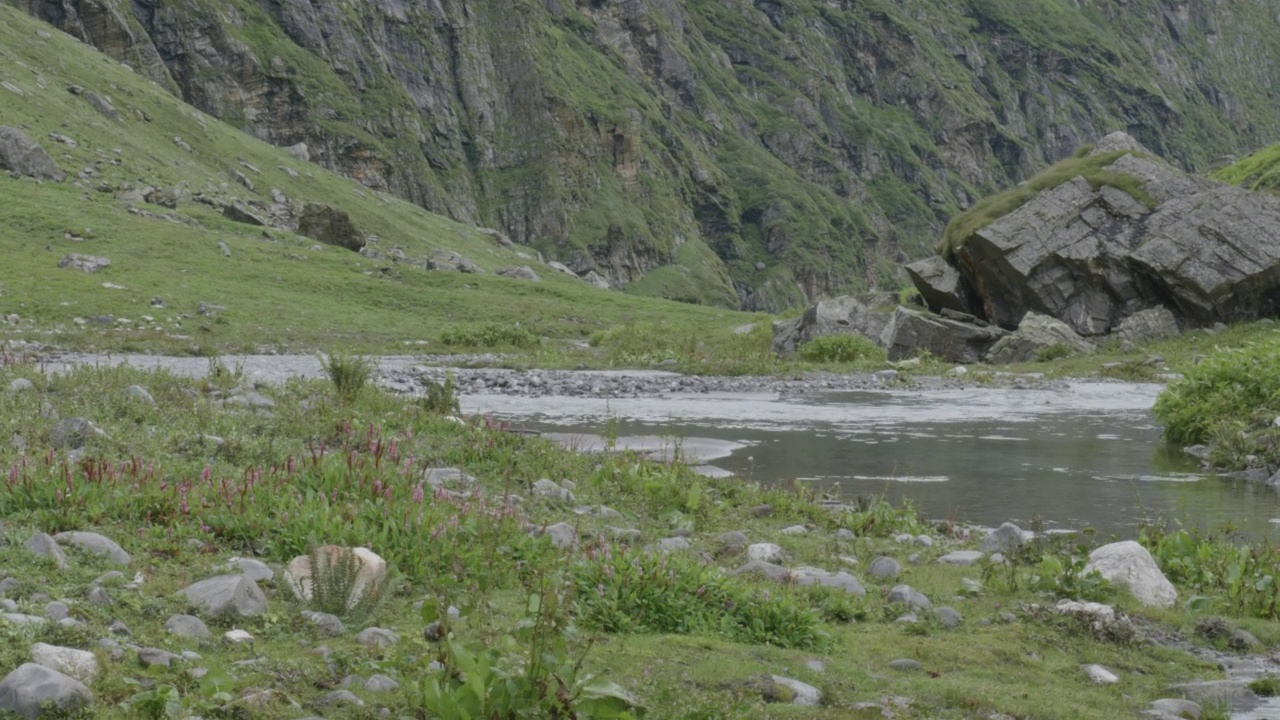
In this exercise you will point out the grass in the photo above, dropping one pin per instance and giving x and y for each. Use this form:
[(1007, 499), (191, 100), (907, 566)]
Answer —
[(989, 209), (674, 631), (1259, 171)]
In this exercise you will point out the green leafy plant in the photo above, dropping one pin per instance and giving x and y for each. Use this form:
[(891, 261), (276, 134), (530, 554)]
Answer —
[(337, 587), (348, 373), (1053, 352), (843, 348), (161, 701), (440, 398), (1246, 576)]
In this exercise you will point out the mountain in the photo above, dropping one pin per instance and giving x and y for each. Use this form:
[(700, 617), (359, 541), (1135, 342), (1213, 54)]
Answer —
[(754, 154)]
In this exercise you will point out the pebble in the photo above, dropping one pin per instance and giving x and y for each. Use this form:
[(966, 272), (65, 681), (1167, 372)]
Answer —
[(904, 665)]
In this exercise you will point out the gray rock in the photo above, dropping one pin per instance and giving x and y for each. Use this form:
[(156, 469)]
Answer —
[(1175, 708), (1092, 257), (102, 104), (14, 618), (905, 665), (155, 657), (342, 697), (255, 569), (1234, 692), (939, 285), (226, 249), (1130, 565), (328, 624), (139, 393), (885, 568), (227, 596), (299, 151), (188, 626), (949, 617), (562, 268), (79, 664), (380, 683), (839, 580), (84, 263), (118, 627), (96, 544), (238, 212), (1146, 326), (448, 477), (99, 596), (1243, 641), (1100, 675), (73, 433), (113, 649), (734, 539), (251, 399), (8, 584), (377, 637), (911, 332), (44, 545), (865, 315), (24, 156), (563, 535), (961, 557), (766, 569), (56, 611), (20, 385), (1006, 538), (910, 597), (794, 530), (519, 272), (802, 694), (28, 689), (670, 545), (549, 489), (1036, 334), (846, 535), (330, 226), (766, 552), (923, 541), (110, 577)]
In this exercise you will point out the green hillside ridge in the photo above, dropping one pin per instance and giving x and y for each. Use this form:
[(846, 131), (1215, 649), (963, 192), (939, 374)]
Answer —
[(747, 154), (1258, 171), (276, 288)]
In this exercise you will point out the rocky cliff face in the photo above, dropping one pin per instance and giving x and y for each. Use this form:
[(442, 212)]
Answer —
[(751, 153)]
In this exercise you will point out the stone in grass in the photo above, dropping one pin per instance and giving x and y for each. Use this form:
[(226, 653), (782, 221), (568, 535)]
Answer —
[(255, 569), (794, 530), (56, 611), (139, 393), (839, 580), (769, 570), (20, 385), (1006, 538), (910, 597), (377, 637), (380, 683), (96, 544), (669, 545), (188, 626), (32, 687), (885, 567), (44, 545), (151, 657), (563, 535), (237, 637), (905, 665), (766, 552), (79, 664), (1174, 708), (227, 595), (1131, 565), (961, 557), (1100, 675), (949, 617), (342, 697), (326, 623), (779, 689), (440, 477)]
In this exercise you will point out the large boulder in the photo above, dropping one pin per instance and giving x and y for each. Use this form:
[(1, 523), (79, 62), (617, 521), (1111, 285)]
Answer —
[(1147, 326), (939, 284), (24, 156), (1037, 334), (31, 690), (227, 596), (96, 544), (1128, 564), (1093, 256), (910, 332), (330, 226), (865, 315)]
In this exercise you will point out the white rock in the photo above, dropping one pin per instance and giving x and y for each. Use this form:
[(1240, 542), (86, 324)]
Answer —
[(1130, 565), (79, 664), (1100, 675), (237, 636), (961, 557), (806, 695), (766, 552)]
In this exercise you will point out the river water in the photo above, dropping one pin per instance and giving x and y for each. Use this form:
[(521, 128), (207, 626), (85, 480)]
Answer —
[(1087, 454)]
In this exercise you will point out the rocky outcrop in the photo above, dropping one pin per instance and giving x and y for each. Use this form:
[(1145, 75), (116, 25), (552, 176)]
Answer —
[(911, 332), (330, 226), (1036, 336), (818, 140), (24, 157), (1094, 256), (940, 285), (865, 315)]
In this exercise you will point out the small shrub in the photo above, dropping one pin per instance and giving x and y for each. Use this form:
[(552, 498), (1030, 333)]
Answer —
[(1266, 686), (348, 373), (1053, 352), (490, 335), (334, 579), (840, 349), (440, 398)]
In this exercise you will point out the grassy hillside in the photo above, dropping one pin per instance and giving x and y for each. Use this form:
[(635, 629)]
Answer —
[(1259, 171), (276, 287)]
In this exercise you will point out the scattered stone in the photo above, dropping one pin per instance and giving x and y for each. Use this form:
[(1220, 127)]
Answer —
[(961, 557), (139, 393), (377, 637), (252, 400), (1037, 334), (371, 572), (55, 611), (1006, 538), (1217, 692), (776, 573), (24, 156), (380, 683), (226, 250), (1147, 326), (519, 272), (237, 637), (79, 664), (670, 545), (1131, 565), (845, 535), (1175, 708), (1100, 675), (910, 597), (549, 489), (949, 617), (92, 542), (443, 477), (228, 595), (32, 687), (885, 568), (101, 104), (834, 316), (328, 624), (20, 385), (16, 618), (762, 511), (841, 580), (299, 151), (43, 544), (905, 665), (113, 649), (109, 577), (794, 530), (766, 552), (255, 569), (924, 541), (188, 626), (342, 697), (802, 694), (99, 596), (815, 665), (1243, 641), (330, 226), (86, 263), (117, 627), (153, 657)]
